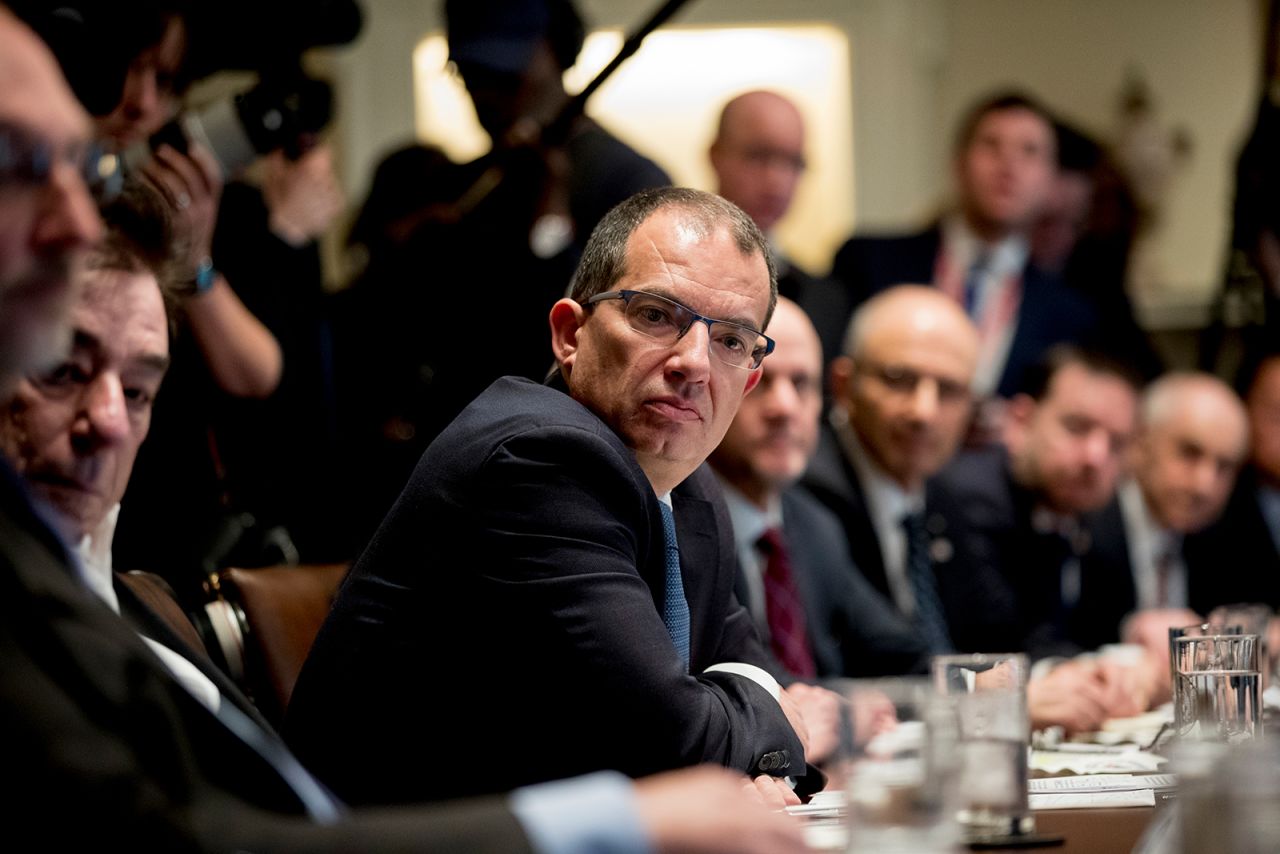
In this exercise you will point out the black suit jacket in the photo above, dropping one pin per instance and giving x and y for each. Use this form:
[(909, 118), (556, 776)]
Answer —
[(104, 744), (1050, 312), (1235, 559), (852, 629), (519, 578), (980, 608), (1107, 592), (990, 517)]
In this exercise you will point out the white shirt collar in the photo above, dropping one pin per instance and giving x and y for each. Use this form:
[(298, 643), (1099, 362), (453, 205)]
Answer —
[(94, 551), (749, 521), (1005, 257), (1148, 541), (887, 504)]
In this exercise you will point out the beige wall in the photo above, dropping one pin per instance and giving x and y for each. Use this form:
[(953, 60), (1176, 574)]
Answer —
[(915, 65)]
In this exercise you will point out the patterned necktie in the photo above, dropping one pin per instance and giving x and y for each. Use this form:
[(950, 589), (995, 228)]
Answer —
[(675, 608), (973, 282), (783, 609), (930, 618)]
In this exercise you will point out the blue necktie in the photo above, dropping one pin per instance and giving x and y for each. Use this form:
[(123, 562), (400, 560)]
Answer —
[(973, 283), (675, 608), (930, 618)]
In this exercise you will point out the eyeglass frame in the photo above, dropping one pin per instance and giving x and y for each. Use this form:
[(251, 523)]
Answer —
[(26, 159), (903, 381), (627, 295)]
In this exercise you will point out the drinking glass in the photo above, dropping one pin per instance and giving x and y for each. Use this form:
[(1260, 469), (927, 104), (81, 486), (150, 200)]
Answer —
[(989, 695), (1216, 693), (1213, 627), (898, 761)]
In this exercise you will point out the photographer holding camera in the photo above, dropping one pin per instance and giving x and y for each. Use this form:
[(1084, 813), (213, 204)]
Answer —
[(130, 64)]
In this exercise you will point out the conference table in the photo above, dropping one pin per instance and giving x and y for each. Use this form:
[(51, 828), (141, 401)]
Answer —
[(1096, 831)]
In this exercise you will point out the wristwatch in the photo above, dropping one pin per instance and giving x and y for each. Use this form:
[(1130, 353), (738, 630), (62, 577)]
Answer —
[(205, 276)]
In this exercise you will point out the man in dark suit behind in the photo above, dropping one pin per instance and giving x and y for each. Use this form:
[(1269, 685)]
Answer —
[(531, 567), (99, 725), (978, 254), (1016, 510), (1191, 443), (1247, 536), (820, 616)]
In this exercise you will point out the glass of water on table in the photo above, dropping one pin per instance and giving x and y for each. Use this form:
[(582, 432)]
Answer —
[(988, 693), (1217, 688)]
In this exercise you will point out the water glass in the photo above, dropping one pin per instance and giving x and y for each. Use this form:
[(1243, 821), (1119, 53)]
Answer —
[(989, 696), (898, 764), (1217, 689)]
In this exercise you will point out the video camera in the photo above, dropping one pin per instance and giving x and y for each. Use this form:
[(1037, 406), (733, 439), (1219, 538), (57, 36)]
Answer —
[(96, 41)]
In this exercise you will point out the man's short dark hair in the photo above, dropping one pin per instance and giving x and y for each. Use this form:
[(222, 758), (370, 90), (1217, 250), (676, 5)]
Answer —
[(1039, 377), (604, 258), (998, 103), (139, 238)]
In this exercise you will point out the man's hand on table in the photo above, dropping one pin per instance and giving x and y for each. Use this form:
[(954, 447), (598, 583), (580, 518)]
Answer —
[(709, 810)]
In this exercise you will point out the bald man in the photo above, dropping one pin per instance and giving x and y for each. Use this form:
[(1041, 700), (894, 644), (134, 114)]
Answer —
[(818, 614), (901, 403), (1193, 438), (758, 156)]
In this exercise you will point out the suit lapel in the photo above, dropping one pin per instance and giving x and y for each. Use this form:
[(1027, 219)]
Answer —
[(148, 623), (832, 475)]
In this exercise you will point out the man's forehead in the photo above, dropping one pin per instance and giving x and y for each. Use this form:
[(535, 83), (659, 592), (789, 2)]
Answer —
[(33, 92), (674, 243), (121, 310)]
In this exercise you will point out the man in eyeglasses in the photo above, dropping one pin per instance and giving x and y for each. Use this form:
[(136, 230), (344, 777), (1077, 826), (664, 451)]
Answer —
[(901, 403), (561, 555), (47, 216)]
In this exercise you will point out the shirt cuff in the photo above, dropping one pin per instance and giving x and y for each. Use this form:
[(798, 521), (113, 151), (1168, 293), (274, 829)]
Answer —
[(757, 675), (595, 814)]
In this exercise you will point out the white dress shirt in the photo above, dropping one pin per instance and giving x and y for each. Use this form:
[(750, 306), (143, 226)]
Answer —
[(998, 293), (887, 505), (749, 524), (1148, 542), (94, 553)]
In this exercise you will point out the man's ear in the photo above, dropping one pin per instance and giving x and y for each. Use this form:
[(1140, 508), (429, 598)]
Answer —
[(839, 378), (566, 321), (1017, 420), (753, 380)]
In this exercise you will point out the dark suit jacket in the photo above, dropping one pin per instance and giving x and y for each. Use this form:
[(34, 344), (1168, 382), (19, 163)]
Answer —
[(519, 578), (979, 605), (989, 515), (1235, 559), (1107, 591), (853, 630), (104, 744), (1050, 312)]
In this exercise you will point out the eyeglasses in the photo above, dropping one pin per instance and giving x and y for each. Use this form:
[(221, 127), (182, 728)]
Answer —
[(667, 321), (28, 161), (903, 381)]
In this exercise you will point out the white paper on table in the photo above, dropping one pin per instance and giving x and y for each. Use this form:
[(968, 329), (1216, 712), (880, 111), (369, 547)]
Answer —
[(1100, 783), (1133, 762), (1092, 800), (1271, 697)]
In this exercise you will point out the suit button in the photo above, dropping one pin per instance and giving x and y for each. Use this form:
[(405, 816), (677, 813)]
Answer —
[(773, 761)]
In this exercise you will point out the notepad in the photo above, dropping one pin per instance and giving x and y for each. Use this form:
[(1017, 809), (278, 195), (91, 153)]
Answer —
[(1092, 800), (1100, 783)]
